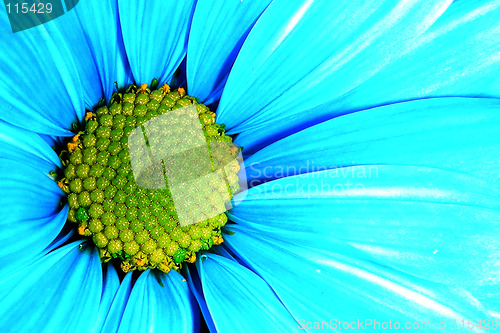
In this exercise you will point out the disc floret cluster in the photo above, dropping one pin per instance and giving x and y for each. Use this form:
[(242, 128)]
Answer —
[(137, 226)]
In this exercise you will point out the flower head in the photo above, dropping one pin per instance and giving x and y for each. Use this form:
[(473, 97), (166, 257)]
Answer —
[(370, 136)]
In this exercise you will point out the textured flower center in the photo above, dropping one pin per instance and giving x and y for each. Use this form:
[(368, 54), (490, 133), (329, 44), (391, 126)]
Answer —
[(125, 193)]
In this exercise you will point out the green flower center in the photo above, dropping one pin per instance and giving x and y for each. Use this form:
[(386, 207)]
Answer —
[(130, 198)]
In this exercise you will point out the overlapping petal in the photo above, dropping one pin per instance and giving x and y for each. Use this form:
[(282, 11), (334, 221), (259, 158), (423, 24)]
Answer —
[(155, 34), (196, 289), (399, 243), (30, 214), (73, 36), (113, 314), (92, 33), (101, 23), (459, 134), (110, 287), (162, 301), (318, 60), (41, 90), (26, 147), (217, 33), (231, 289), (59, 292), (66, 233)]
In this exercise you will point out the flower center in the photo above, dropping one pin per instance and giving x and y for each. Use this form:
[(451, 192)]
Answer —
[(137, 183)]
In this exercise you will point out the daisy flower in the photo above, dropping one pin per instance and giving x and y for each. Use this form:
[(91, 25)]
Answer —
[(370, 135)]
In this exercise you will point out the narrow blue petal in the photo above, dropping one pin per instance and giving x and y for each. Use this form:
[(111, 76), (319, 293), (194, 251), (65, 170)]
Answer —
[(30, 215), (361, 57), (217, 33), (101, 23), (162, 301), (60, 292), (73, 38), (66, 233), (394, 234), (41, 90), (52, 141), (27, 193), (27, 148), (194, 284), (223, 252), (231, 289), (155, 34), (115, 312), (111, 285), (458, 134), (23, 241)]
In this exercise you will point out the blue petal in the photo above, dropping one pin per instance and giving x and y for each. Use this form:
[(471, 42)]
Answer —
[(66, 233), (155, 35), (387, 244), (115, 312), (458, 134), (27, 148), (101, 24), (217, 33), (71, 36), (162, 301), (60, 292), (30, 216), (194, 283), (232, 290), (111, 285), (92, 33), (52, 141), (303, 66), (41, 90), (318, 286)]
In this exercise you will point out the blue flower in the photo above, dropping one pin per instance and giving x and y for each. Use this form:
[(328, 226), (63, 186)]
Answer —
[(371, 134)]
